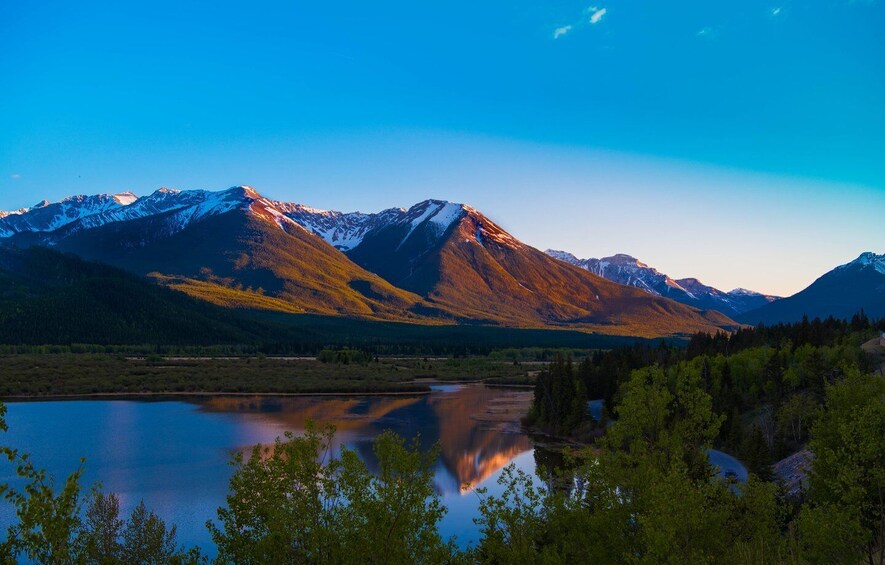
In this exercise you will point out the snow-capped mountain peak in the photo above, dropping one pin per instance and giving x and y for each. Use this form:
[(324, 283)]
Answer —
[(76, 213), (841, 292), (744, 292), (628, 270), (624, 269), (562, 256), (48, 216), (342, 230), (867, 259), (18, 212), (440, 213)]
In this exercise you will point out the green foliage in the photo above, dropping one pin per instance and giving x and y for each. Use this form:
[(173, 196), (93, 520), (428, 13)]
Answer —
[(344, 356), (392, 515), (646, 495), (104, 528), (62, 299), (48, 526), (144, 538), (755, 452), (538, 354), (846, 517), (667, 416), (795, 417), (295, 502), (768, 382), (512, 525), (560, 402)]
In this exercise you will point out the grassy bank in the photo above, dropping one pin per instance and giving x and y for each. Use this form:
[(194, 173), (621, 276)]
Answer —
[(92, 374)]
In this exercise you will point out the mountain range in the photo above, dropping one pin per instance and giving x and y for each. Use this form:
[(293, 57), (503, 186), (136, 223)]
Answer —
[(436, 262), (630, 271)]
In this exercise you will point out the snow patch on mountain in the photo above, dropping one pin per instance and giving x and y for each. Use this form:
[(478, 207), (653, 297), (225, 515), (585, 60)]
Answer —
[(347, 230), (213, 204), (490, 232), (447, 214), (342, 230), (125, 198), (439, 213)]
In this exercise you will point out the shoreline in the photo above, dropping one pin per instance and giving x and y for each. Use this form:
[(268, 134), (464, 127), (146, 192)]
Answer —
[(184, 394), (173, 394)]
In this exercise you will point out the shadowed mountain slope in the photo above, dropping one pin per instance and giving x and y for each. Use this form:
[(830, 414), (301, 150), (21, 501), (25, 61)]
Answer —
[(841, 293)]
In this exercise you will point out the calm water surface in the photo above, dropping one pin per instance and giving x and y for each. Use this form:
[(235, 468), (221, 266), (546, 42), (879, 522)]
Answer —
[(174, 454)]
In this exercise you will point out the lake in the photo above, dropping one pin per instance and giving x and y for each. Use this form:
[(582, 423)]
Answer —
[(174, 454)]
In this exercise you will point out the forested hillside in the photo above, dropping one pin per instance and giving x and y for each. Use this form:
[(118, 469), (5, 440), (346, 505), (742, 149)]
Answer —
[(48, 299), (761, 394)]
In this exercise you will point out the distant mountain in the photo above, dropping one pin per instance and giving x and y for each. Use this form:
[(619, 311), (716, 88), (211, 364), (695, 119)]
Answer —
[(840, 293), (629, 271), (436, 262), (464, 264)]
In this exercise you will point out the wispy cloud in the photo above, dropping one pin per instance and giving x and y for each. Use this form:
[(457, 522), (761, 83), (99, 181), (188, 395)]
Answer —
[(15, 176), (707, 33), (560, 31), (776, 10), (591, 16), (596, 14)]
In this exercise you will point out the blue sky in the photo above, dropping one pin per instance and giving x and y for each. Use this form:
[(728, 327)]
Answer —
[(739, 142)]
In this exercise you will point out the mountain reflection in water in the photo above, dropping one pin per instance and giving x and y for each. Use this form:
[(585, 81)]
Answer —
[(477, 427), (173, 453)]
